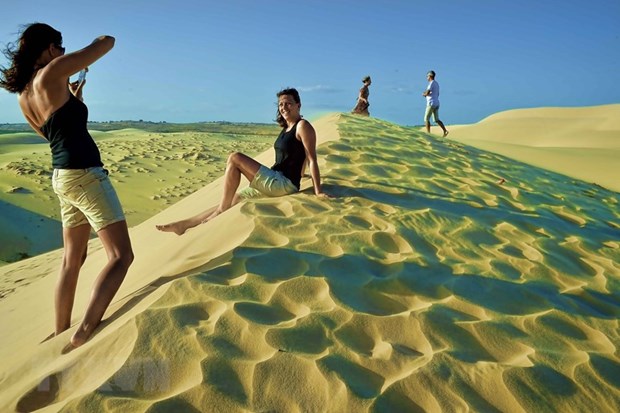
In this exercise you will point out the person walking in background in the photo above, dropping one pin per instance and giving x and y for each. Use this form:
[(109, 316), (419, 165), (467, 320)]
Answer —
[(361, 108), (39, 74), (432, 103), (295, 144)]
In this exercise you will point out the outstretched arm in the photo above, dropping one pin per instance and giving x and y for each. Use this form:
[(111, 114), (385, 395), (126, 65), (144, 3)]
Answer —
[(71, 63), (55, 74), (307, 134)]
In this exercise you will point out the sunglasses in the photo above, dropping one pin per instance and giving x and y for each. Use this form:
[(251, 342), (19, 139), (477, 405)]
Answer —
[(59, 47)]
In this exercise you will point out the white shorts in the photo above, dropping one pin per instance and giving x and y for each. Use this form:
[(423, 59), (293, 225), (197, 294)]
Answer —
[(268, 182)]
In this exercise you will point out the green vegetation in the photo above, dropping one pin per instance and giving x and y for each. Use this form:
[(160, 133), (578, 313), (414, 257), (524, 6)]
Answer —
[(163, 127)]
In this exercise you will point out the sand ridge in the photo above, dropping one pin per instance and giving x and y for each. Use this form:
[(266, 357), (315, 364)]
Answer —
[(424, 286), (582, 142)]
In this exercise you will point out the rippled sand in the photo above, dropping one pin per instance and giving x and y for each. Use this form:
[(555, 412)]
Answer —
[(423, 286)]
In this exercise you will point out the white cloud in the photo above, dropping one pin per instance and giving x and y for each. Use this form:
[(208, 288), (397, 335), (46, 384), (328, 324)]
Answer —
[(318, 88)]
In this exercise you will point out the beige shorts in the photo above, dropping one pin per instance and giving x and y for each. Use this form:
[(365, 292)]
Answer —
[(434, 110), (268, 182), (86, 197)]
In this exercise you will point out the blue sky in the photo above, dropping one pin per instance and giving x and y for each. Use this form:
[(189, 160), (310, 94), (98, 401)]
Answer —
[(186, 61)]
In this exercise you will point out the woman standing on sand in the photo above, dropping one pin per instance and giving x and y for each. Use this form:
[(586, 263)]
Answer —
[(295, 144), (39, 74), (361, 108)]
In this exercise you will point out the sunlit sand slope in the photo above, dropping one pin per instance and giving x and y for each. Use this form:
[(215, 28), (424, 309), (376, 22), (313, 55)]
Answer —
[(582, 142)]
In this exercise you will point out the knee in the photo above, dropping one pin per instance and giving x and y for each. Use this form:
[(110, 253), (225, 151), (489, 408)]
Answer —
[(73, 261), (233, 158), (127, 258), (124, 258)]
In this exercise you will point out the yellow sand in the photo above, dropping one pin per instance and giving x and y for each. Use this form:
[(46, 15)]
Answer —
[(150, 171), (423, 286), (583, 143)]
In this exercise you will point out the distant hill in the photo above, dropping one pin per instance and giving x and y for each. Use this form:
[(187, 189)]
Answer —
[(162, 127)]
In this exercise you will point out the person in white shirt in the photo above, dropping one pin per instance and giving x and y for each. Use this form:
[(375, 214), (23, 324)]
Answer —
[(432, 103)]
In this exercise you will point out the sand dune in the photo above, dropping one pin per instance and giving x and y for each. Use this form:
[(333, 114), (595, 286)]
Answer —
[(150, 171), (583, 143), (424, 286)]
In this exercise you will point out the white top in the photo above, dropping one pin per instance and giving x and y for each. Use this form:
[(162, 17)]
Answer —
[(433, 98)]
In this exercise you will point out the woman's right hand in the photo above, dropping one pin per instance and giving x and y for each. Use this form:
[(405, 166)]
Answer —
[(76, 88)]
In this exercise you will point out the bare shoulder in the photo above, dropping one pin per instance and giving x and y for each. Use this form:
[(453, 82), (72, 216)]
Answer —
[(304, 126), (306, 133)]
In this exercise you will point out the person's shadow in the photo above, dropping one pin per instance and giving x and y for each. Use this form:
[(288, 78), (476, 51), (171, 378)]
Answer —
[(44, 394)]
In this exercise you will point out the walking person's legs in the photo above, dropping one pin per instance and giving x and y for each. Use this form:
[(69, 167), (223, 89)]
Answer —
[(441, 125), (438, 122), (434, 111), (427, 118)]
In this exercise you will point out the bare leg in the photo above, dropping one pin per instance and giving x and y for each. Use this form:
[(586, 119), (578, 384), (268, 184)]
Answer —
[(180, 227), (75, 242), (238, 164), (428, 126), (115, 240), (441, 125)]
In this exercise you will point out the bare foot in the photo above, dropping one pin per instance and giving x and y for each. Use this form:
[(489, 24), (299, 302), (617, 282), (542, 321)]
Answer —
[(445, 133), (67, 348), (178, 228), (501, 181), (82, 335)]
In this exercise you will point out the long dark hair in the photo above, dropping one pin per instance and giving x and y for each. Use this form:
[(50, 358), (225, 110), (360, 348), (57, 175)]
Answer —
[(290, 92), (34, 39)]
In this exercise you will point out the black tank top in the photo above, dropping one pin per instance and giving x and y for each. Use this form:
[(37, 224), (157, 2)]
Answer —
[(290, 155), (72, 146)]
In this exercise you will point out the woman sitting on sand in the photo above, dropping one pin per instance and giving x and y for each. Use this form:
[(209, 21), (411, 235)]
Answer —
[(361, 108), (39, 74), (296, 142)]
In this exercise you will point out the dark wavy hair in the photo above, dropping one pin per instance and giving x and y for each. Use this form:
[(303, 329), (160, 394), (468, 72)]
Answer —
[(290, 92), (34, 39)]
